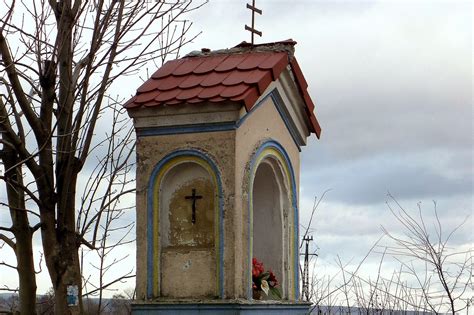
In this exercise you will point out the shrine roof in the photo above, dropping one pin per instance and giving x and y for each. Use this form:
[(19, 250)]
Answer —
[(240, 74)]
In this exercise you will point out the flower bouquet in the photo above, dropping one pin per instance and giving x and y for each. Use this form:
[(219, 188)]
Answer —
[(263, 281)]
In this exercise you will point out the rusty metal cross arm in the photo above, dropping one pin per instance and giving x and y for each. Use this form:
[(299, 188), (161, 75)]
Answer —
[(253, 8), (252, 29)]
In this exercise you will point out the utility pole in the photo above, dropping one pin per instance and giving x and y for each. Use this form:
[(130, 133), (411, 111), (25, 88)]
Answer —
[(306, 239)]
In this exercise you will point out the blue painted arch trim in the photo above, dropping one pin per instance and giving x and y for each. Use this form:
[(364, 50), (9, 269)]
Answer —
[(150, 214), (294, 202)]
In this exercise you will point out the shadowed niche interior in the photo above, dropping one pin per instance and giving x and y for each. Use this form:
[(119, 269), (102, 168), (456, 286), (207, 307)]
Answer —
[(270, 220)]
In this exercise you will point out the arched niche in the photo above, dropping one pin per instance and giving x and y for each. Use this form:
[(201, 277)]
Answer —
[(187, 232), (185, 258), (271, 203)]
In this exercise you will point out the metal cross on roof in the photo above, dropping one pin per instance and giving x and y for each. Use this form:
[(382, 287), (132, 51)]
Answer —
[(252, 29)]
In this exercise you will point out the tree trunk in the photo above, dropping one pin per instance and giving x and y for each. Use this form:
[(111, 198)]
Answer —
[(21, 229), (61, 243), (62, 261), (70, 277), (26, 272)]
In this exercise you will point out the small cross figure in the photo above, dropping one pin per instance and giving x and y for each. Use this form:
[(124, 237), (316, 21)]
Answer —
[(193, 197), (252, 28)]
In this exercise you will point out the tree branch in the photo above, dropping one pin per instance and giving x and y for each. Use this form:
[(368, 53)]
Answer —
[(17, 88), (8, 241)]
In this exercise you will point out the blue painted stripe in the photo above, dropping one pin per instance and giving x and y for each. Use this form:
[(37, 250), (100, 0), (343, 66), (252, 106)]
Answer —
[(150, 215), (280, 106), (171, 130), (231, 308), (227, 126)]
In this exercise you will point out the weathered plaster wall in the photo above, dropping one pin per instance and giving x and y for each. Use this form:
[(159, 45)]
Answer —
[(232, 152), (220, 147), (178, 264)]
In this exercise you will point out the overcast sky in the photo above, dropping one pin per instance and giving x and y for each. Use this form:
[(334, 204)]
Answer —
[(392, 84)]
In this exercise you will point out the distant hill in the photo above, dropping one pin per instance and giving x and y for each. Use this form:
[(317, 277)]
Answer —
[(119, 306), (344, 310)]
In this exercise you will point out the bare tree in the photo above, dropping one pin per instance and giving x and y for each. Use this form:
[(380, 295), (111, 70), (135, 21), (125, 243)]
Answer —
[(60, 63), (310, 258), (433, 275), (104, 223), (442, 274)]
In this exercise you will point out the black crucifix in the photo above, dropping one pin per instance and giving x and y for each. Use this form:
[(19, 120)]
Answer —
[(252, 29), (193, 197)]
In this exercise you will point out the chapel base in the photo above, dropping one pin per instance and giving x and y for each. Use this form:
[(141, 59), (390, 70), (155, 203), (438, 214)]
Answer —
[(224, 307)]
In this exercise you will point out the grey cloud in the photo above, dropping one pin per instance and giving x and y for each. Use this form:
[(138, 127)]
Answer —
[(367, 180), (393, 91), (352, 231)]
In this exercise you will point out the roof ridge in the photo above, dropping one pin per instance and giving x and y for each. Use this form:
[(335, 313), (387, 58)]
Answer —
[(244, 47)]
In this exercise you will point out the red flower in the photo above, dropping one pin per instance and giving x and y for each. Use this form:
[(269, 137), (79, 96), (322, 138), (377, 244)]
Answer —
[(257, 268), (264, 281), (272, 280), (255, 272)]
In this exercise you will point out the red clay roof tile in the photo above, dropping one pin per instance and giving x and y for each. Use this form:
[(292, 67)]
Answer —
[(195, 100), (259, 77), (189, 93), (252, 61), (171, 82), (249, 98), (273, 59), (152, 104), (148, 86), (164, 96), (131, 103), (209, 64), (309, 102), (298, 74), (174, 102), (229, 63), (217, 99), (211, 92), (279, 66), (233, 90), (238, 77), (191, 80), (316, 126), (145, 97), (187, 66), (167, 68), (214, 78)]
